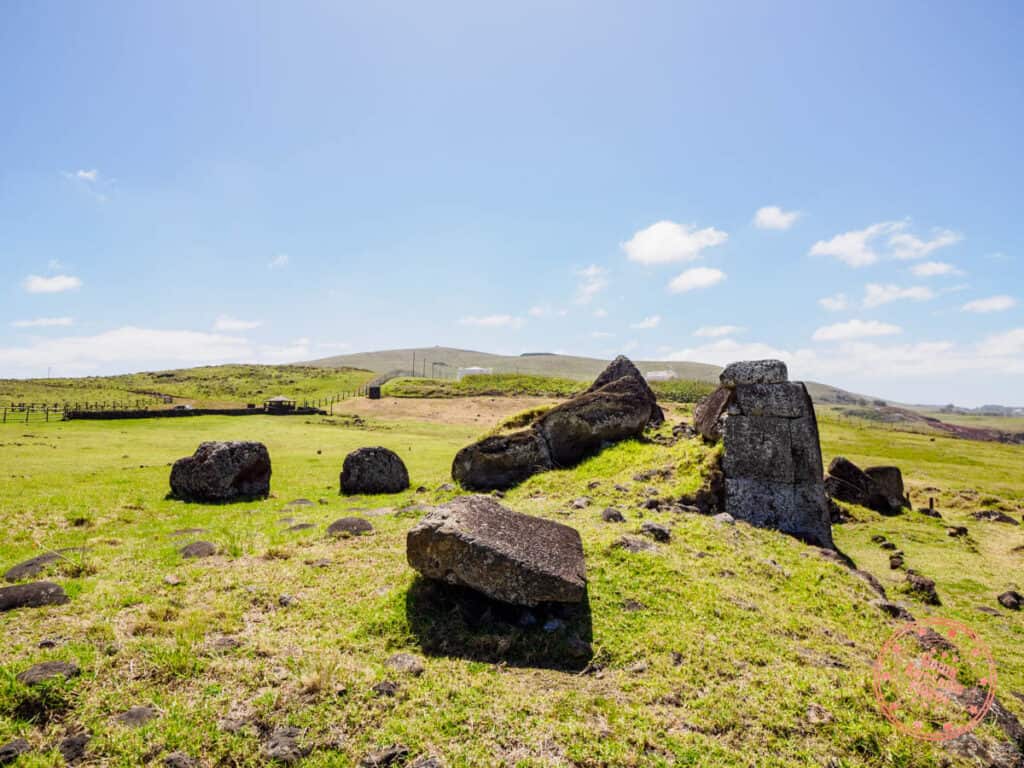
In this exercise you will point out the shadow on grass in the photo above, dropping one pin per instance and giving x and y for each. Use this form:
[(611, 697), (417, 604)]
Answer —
[(459, 622)]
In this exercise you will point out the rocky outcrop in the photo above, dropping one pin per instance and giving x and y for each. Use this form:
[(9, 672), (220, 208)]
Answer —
[(620, 408), (475, 542), (219, 472), (772, 461), (877, 488), (373, 470)]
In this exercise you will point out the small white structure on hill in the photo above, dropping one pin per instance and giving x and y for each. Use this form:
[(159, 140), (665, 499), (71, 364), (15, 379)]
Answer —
[(666, 375), (473, 371)]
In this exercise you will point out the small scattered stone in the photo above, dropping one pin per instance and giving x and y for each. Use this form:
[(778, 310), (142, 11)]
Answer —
[(12, 750), (637, 667), (171, 580), (382, 758), (136, 716), (1012, 600), (878, 538), (408, 663), (50, 642), (321, 563), (612, 515), (923, 589), (300, 527), (818, 715), (631, 606), (72, 748), (888, 545), (656, 531), (956, 531), (180, 760), (385, 688), (36, 565), (34, 595), (283, 746), (446, 487), (426, 761), (724, 518), (895, 561), (46, 671), (994, 516), (421, 489), (185, 532), (621, 488), (349, 526), (286, 600), (199, 549), (300, 503), (988, 609), (593, 484), (581, 503), (893, 609), (632, 544)]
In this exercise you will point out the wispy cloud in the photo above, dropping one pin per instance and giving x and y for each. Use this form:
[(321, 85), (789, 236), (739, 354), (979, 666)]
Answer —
[(52, 284), (934, 269), (44, 322), (593, 280), (493, 321), (855, 329), (875, 295), (648, 322), (991, 304), (717, 331), (280, 261), (773, 217), (698, 277), (666, 242), (836, 303), (229, 323), (855, 248), (907, 246)]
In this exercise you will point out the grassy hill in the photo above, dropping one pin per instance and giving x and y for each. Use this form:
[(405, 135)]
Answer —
[(727, 646)]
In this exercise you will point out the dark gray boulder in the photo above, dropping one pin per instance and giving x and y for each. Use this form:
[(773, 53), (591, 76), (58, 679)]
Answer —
[(46, 671), (219, 472), (34, 595), (36, 565), (12, 750), (621, 367), (882, 491), (709, 413), (888, 482), (772, 461), (475, 542), (349, 526), (373, 470), (501, 461), (198, 549)]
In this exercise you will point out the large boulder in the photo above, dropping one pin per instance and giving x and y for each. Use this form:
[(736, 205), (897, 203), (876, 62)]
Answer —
[(772, 459), (475, 542), (222, 471), (373, 470), (34, 595), (618, 409), (501, 461), (621, 367), (877, 488), (888, 481), (709, 414)]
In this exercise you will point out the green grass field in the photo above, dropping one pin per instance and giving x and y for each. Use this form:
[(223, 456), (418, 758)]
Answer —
[(707, 652)]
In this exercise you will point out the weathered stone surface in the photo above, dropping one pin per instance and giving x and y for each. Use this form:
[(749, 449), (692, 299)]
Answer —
[(880, 491), (283, 746), (563, 436), (408, 663), (754, 372), (349, 526), (994, 516), (612, 515), (1011, 600), (501, 461), (656, 531), (709, 414), (34, 595), (46, 671), (621, 367), (34, 566), (393, 755), (582, 426), (475, 542), (199, 549), (219, 472), (72, 748), (632, 544), (373, 470), (888, 482), (136, 717), (180, 760), (922, 588), (12, 750), (772, 460)]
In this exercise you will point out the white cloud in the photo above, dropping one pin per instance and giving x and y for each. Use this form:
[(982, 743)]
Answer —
[(54, 284), (593, 280), (907, 246), (991, 304), (875, 295), (836, 303), (601, 335), (855, 329), (537, 311), (44, 322), (666, 242), (87, 175), (934, 269), (698, 277), (280, 261), (648, 322), (773, 217), (600, 313), (855, 248), (717, 331), (1009, 345), (229, 323), (493, 321)]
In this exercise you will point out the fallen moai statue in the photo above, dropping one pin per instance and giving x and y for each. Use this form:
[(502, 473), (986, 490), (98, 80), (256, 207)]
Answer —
[(772, 460), (877, 488), (619, 405), (475, 542)]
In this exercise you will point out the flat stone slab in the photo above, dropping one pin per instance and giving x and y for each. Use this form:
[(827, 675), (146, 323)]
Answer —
[(34, 595), (199, 549), (349, 526), (12, 750), (36, 565), (475, 542), (47, 671)]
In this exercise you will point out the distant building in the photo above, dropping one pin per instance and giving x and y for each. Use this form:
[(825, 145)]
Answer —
[(667, 375), (473, 371), (279, 404)]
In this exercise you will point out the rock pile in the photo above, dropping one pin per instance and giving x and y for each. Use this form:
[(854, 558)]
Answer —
[(617, 406), (219, 472), (877, 488), (772, 461), (373, 470), (475, 542)]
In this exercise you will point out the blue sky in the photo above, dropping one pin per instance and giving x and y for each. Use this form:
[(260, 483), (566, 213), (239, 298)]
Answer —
[(203, 182)]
